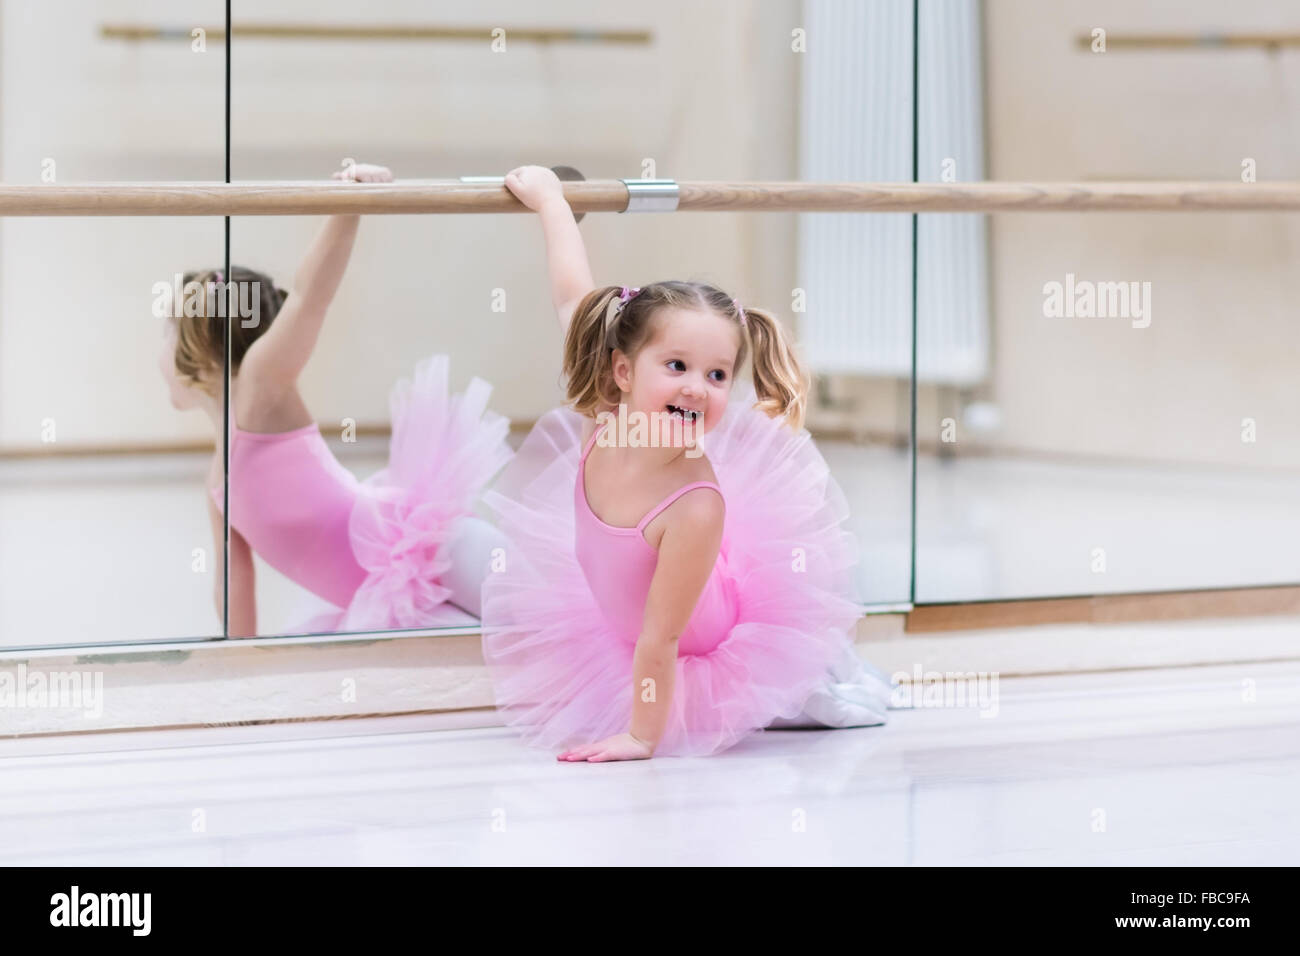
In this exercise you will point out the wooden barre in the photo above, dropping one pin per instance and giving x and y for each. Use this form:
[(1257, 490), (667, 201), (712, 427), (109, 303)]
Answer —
[(318, 31), (1191, 41), (453, 196)]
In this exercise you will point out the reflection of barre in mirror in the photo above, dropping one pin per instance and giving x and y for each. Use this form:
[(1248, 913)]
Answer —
[(472, 195), (399, 32), (655, 602), (386, 552)]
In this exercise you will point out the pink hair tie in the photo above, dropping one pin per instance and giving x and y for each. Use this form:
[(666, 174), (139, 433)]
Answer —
[(744, 323), (218, 275), (625, 295)]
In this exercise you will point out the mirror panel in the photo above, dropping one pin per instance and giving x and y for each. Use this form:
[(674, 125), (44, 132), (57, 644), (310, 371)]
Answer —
[(730, 105), (1136, 426), (104, 532)]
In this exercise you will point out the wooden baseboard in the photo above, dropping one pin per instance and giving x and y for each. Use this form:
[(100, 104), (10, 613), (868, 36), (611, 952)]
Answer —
[(1107, 609)]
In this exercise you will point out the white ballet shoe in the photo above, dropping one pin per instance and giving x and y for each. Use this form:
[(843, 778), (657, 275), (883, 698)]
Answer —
[(856, 694), (841, 704)]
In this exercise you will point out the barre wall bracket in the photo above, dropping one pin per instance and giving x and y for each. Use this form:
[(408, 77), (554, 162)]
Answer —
[(651, 195)]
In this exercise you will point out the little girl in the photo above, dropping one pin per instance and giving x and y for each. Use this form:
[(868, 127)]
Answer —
[(655, 599), (386, 552)]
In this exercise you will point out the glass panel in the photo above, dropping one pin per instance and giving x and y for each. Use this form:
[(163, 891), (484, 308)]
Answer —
[(855, 274), (1137, 425), (726, 104), (104, 533)]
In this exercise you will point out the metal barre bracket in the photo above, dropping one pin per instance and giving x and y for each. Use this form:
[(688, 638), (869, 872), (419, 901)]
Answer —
[(651, 195)]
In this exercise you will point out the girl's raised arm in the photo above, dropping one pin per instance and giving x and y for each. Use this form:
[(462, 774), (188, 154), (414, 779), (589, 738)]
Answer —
[(539, 189), (279, 356)]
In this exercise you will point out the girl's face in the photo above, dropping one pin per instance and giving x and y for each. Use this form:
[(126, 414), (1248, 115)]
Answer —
[(684, 372), (183, 395)]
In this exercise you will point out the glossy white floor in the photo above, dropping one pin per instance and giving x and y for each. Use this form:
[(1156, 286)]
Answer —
[(1178, 766)]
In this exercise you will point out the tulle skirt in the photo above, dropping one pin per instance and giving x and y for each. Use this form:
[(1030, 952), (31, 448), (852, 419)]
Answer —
[(408, 517), (562, 678)]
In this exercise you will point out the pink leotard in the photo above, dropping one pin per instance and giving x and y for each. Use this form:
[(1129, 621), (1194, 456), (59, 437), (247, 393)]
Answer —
[(619, 564), (291, 500)]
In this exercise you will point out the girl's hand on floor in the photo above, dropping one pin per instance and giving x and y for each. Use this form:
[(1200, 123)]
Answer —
[(619, 747), (534, 186), (364, 173)]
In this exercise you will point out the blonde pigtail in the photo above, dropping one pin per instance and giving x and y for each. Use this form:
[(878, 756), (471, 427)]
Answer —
[(588, 371), (780, 382)]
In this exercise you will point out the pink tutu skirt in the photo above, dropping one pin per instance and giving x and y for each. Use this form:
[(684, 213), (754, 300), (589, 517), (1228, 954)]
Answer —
[(443, 451), (563, 678)]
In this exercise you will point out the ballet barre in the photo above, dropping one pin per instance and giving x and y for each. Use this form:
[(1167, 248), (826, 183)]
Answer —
[(1191, 41), (408, 32), (487, 195)]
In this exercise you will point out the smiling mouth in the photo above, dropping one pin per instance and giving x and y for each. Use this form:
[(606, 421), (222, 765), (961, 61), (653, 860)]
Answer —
[(685, 414)]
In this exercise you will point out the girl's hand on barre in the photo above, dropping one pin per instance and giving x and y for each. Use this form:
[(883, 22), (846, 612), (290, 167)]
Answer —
[(535, 186), (364, 173)]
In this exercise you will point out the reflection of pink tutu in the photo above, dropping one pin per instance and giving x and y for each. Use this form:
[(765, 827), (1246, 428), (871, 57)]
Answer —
[(376, 549), (562, 670)]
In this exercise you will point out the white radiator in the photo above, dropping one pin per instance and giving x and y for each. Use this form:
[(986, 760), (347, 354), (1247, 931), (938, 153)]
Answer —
[(856, 125)]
